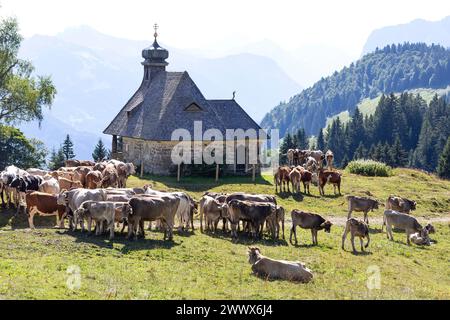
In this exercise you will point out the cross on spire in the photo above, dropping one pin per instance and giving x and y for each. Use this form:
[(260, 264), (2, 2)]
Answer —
[(155, 27)]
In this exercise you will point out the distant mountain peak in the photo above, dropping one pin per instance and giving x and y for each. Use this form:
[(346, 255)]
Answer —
[(418, 30)]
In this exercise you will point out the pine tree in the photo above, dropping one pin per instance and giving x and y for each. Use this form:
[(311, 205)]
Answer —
[(100, 152), (344, 162), (301, 139), (360, 152), (443, 168), (67, 148), (57, 159), (320, 141), (398, 156)]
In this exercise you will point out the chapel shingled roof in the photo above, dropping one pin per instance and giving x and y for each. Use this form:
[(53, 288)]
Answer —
[(158, 108)]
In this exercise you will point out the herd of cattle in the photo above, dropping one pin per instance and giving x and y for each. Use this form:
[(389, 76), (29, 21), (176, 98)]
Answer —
[(84, 191)]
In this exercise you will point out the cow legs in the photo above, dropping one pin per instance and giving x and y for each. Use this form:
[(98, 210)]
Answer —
[(89, 226), (361, 242), (293, 231), (31, 212), (352, 239), (344, 236), (111, 229), (389, 231)]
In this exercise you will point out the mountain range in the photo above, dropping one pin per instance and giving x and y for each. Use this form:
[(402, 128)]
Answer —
[(418, 30)]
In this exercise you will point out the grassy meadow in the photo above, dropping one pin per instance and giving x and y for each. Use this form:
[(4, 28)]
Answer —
[(48, 263)]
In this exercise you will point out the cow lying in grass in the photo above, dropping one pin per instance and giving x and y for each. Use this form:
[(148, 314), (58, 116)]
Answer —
[(277, 269)]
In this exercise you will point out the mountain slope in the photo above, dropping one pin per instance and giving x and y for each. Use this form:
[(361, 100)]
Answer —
[(416, 31), (95, 74), (394, 68)]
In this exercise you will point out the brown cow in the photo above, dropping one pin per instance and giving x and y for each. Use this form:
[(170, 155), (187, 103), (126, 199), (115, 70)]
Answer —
[(78, 163), (81, 173), (43, 204), (333, 177), (400, 204), (110, 177), (281, 178), (295, 176), (94, 179), (66, 184), (149, 208), (306, 178), (357, 228), (307, 220)]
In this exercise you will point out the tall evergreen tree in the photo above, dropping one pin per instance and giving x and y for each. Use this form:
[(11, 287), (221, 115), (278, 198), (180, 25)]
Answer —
[(57, 159), (398, 156), (100, 151), (320, 141), (67, 148), (443, 168), (360, 152)]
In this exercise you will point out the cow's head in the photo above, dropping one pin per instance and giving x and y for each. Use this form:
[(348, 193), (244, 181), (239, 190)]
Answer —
[(254, 254), (326, 226), (375, 205), (63, 198), (429, 227), (127, 211), (412, 204)]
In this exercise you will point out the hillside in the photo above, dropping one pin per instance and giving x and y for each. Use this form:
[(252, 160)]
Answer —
[(95, 74), (418, 30), (394, 68), (153, 266), (368, 106)]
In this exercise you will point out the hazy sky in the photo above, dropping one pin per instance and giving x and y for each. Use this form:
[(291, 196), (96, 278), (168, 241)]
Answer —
[(345, 24)]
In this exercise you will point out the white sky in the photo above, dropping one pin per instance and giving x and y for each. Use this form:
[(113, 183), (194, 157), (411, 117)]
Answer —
[(203, 24)]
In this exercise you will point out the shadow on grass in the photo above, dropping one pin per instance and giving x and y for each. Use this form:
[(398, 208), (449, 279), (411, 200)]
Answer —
[(119, 238), (199, 184), (311, 245), (20, 220), (245, 239)]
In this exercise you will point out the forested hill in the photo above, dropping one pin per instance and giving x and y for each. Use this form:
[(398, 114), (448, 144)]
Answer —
[(394, 68)]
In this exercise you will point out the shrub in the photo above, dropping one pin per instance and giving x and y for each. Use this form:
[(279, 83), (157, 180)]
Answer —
[(369, 168)]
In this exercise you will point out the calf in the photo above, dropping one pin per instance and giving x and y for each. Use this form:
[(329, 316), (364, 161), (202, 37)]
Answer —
[(43, 204), (151, 208), (359, 204), (333, 177), (278, 269), (306, 179), (281, 178), (98, 211), (73, 199), (213, 211), (400, 204), (401, 221), (307, 220), (295, 177), (357, 229), (273, 222), (254, 213)]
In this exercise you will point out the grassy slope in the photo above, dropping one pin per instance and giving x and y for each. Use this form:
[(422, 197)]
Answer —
[(368, 106), (33, 263)]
